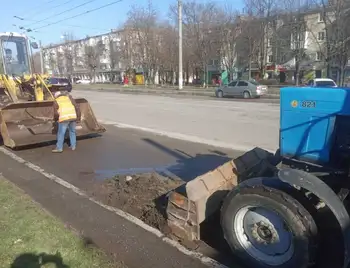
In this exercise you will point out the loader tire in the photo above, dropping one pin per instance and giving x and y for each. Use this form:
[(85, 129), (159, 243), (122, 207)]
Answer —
[(266, 228)]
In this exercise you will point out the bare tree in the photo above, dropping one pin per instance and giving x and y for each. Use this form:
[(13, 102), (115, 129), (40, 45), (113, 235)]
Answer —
[(202, 32), (143, 39), (263, 11), (248, 42), (114, 54), (69, 52), (298, 29), (60, 61), (230, 30), (93, 58), (336, 17)]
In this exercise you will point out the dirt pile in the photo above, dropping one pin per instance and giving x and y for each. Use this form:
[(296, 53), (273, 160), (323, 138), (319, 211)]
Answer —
[(141, 195)]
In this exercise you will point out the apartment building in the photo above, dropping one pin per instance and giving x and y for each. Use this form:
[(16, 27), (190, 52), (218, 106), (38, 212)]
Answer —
[(97, 56), (301, 37)]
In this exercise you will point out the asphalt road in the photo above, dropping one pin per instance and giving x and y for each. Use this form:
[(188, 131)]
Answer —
[(239, 124), (128, 151), (116, 151)]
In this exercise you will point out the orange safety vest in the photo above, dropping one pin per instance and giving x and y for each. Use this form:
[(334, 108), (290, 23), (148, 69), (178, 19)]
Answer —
[(66, 109)]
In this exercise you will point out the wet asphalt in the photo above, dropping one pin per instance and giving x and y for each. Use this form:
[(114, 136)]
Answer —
[(118, 151), (123, 151)]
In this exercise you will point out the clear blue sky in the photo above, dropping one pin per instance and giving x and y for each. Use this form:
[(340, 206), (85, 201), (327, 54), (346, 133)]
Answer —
[(94, 23)]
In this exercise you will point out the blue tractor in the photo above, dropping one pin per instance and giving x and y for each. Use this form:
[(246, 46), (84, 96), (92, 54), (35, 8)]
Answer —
[(270, 203)]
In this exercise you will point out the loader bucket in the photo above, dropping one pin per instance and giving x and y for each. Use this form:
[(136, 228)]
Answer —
[(192, 203), (29, 123)]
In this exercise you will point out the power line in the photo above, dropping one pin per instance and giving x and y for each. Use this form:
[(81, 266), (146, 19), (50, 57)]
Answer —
[(40, 5), (65, 11), (59, 5), (80, 14), (68, 25)]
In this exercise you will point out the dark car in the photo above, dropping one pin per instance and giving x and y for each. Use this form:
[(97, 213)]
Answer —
[(60, 84)]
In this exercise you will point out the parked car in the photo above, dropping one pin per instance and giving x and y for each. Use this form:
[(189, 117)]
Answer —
[(242, 88), (322, 82), (83, 81), (60, 83)]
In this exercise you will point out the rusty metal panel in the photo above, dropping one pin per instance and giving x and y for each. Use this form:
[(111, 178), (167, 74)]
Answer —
[(27, 123), (190, 204)]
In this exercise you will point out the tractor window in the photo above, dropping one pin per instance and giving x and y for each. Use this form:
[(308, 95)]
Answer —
[(15, 55)]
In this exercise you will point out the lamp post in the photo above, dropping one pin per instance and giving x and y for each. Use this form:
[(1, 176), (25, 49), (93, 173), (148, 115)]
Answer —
[(180, 44)]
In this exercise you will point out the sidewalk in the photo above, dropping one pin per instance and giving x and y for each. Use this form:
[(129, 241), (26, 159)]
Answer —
[(187, 90)]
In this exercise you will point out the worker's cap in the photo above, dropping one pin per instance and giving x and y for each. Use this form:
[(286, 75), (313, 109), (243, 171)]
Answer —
[(57, 93)]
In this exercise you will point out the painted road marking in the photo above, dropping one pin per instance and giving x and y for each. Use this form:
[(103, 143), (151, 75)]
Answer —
[(204, 259)]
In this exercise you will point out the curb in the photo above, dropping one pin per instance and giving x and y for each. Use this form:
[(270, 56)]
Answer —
[(167, 92)]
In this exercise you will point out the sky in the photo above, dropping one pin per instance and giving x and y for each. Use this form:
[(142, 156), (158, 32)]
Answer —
[(40, 13)]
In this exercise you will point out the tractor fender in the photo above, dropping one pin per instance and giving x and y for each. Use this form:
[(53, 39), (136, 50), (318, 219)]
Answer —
[(316, 186)]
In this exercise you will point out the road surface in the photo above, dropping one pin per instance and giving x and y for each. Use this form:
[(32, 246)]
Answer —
[(241, 125), (117, 151)]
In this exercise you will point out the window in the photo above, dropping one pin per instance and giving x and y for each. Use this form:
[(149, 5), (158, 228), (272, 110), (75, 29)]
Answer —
[(283, 58), (319, 56), (15, 55), (320, 17), (242, 84), (232, 84), (269, 42), (325, 83), (320, 36), (270, 58), (298, 40)]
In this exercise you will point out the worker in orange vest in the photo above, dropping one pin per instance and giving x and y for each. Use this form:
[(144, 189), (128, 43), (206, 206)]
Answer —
[(67, 113)]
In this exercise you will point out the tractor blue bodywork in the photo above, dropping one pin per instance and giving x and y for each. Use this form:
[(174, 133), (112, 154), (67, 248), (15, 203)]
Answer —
[(314, 123)]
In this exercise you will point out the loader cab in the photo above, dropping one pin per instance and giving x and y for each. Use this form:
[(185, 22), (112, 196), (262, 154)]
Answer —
[(14, 54), (315, 125)]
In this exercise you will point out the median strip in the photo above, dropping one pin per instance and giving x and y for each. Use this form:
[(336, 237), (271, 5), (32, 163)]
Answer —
[(31, 237)]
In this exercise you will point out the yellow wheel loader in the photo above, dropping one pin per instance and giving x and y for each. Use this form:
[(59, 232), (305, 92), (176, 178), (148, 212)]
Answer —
[(26, 102)]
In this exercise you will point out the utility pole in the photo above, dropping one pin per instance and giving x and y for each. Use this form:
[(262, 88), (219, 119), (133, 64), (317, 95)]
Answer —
[(180, 44), (41, 58)]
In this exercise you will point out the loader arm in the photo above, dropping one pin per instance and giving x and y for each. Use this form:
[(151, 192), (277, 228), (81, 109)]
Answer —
[(9, 86)]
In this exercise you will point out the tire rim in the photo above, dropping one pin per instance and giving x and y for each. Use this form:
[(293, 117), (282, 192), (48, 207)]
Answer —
[(246, 95), (220, 94), (264, 235)]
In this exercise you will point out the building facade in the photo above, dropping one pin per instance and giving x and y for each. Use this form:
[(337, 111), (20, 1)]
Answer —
[(97, 57)]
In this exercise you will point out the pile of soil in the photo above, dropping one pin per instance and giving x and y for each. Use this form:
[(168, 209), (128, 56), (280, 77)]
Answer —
[(142, 195)]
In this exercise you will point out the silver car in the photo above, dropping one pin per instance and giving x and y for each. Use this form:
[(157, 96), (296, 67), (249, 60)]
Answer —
[(241, 88)]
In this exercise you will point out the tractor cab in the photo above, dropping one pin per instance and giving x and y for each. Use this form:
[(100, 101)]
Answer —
[(14, 54)]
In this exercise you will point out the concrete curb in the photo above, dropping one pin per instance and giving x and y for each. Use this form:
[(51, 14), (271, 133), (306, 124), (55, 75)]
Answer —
[(205, 93)]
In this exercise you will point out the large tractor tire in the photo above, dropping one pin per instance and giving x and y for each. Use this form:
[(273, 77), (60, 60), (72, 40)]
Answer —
[(266, 228)]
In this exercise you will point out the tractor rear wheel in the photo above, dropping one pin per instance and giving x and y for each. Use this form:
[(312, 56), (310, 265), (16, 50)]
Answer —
[(266, 228)]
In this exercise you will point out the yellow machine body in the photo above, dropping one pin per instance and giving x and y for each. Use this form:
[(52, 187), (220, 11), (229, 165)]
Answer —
[(26, 102)]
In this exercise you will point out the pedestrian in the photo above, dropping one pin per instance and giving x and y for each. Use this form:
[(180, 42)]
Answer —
[(66, 113)]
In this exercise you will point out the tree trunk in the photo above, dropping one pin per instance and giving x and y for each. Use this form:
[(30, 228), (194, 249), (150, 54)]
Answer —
[(297, 70), (250, 68)]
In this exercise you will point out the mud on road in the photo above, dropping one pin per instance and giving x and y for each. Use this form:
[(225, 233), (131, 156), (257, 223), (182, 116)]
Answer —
[(145, 197), (142, 195)]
